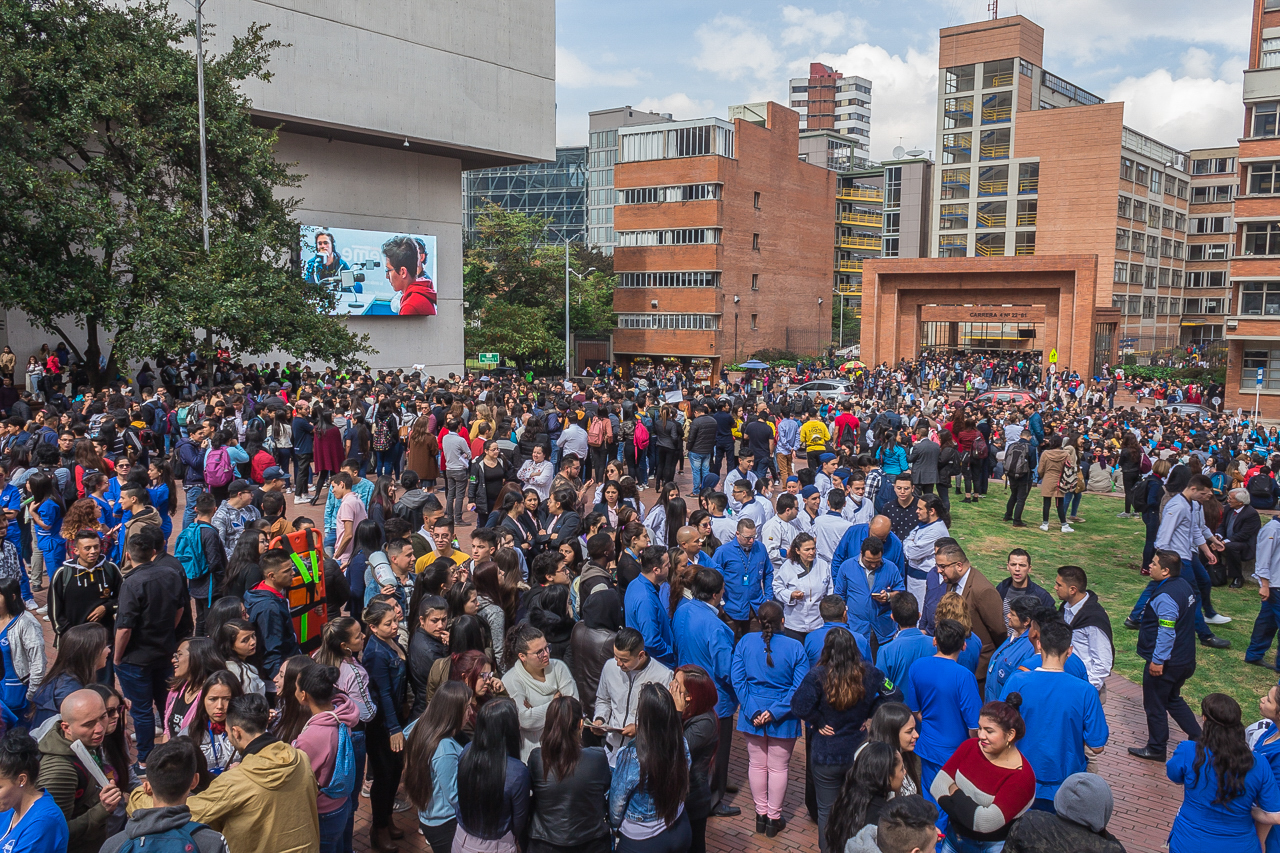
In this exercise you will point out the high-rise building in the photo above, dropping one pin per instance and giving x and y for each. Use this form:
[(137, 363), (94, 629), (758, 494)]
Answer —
[(827, 100), (1206, 294), (1059, 230), (724, 241), (556, 191), (603, 154), (1253, 328)]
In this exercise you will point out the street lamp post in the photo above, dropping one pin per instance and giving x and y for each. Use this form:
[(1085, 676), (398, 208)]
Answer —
[(568, 373), (198, 5)]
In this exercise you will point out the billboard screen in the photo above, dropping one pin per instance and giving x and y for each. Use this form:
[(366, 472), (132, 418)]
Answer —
[(372, 273)]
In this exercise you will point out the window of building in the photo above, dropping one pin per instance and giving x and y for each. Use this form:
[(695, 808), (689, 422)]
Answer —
[(1026, 68), (1170, 184), (1177, 249), (656, 195), (1207, 278), (753, 321), (1182, 189), (1121, 274), (1153, 247), (1028, 177), (959, 79), (1166, 247), (1027, 213), (1162, 305), (1122, 239), (606, 157), (1175, 305), (1139, 211), (1268, 360), (1126, 168), (1259, 298), (1135, 273), (601, 177), (682, 322), (1124, 206), (604, 139), (953, 246), (1209, 225), (992, 214), (1135, 305), (757, 201), (955, 184), (1262, 238), (1024, 243), (1176, 280), (755, 242), (1155, 181), (993, 180), (1264, 178), (799, 90), (1213, 165), (957, 147), (892, 223), (1118, 302), (997, 107), (1207, 251), (1264, 119), (892, 187), (889, 247), (957, 112), (997, 74), (1270, 53), (668, 279), (673, 237), (995, 144), (1148, 307), (1180, 222), (1210, 195), (755, 281), (1148, 277), (1140, 176), (1164, 276), (1153, 216), (990, 245), (953, 217), (1166, 218)]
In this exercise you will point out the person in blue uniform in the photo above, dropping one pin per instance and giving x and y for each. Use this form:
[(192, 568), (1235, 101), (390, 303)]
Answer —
[(705, 640), (30, 820), (1065, 714), (834, 615), (945, 697), (896, 658), (768, 666), (1226, 789), (1167, 642), (1006, 659), (744, 564), (645, 610), (881, 528), (866, 584)]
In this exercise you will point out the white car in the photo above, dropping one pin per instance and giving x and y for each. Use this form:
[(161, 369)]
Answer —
[(830, 389)]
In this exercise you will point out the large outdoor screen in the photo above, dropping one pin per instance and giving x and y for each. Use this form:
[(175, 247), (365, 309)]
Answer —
[(372, 273)]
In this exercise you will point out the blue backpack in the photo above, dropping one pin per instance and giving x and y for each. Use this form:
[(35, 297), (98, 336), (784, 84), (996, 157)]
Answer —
[(179, 840), (344, 766), (189, 550)]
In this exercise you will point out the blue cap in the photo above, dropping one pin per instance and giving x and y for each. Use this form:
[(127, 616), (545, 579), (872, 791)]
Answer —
[(842, 474), (273, 473), (827, 457), (808, 491), (793, 479)]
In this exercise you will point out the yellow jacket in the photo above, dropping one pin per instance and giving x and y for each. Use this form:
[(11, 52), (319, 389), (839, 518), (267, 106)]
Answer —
[(814, 435)]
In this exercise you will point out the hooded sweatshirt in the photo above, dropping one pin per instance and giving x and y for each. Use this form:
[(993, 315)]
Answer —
[(863, 842), (153, 821), (1084, 804), (75, 592), (269, 611), (319, 740), (147, 515), (265, 804)]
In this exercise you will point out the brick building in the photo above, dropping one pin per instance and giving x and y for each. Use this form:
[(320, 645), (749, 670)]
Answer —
[(724, 242), (828, 100), (1058, 229)]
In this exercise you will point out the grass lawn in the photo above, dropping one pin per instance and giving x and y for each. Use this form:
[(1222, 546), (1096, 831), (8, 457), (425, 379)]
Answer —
[(1109, 550)]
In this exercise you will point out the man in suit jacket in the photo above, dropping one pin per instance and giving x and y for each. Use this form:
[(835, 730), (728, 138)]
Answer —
[(1239, 531), (923, 459), (986, 609)]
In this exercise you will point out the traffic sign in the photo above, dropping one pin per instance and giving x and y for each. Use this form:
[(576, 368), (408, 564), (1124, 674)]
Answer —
[(489, 359), (1053, 356), (1259, 377)]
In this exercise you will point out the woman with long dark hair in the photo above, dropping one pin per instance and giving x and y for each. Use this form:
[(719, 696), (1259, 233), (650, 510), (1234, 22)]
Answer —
[(695, 695), (1226, 791), (895, 725), (768, 667), (383, 500), (341, 642), (493, 607), (385, 661), (431, 763), (651, 780), (30, 820), (292, 714), (164, 494), (195, 660), (327, 449), (677, 517), (208, 728), (46, 511), (82, 652), (836, 698), (493, 784), (570, 786), (242, 568), (115, 745), (237, 643), (875, 778)]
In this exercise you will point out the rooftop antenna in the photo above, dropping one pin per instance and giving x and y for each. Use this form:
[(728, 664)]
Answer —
[(994, 8)]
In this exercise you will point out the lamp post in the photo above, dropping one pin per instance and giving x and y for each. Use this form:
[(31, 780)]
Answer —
[(568, 373), (198, 5)]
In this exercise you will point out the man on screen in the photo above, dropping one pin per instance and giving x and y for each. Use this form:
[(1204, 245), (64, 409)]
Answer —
[(327, 263), (416, 295)]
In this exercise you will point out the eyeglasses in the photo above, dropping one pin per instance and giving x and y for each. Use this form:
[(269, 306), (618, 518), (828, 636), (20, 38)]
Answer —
[(114, 710), (942, 566)]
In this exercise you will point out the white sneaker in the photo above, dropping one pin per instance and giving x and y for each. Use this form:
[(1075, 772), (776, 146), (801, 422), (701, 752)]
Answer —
[(1122, 515), (43, 608), (1217, 619), (302, 499), (1045, 527), (1067, 528)]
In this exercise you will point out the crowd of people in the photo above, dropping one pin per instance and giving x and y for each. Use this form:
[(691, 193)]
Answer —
[(537, 641)]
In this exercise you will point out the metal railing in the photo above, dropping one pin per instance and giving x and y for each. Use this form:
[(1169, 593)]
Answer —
[(994, 151), (869, 243), (991, 220), (991, 115), (848, 288), (993, 187), (849, 266), (1025, 250), (1029, 185), (987, 250), (859, 194), (1025, 219), (873, 219), (997, 80)]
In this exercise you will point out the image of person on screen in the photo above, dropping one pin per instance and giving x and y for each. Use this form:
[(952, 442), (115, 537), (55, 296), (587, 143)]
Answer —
[(415, 294), (327, 263)]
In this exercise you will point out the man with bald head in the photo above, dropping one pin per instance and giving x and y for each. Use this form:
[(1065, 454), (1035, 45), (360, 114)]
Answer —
[(880, 527), (85, 805), (690, 542)]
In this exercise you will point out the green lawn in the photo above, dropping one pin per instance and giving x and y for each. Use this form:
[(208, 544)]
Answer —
[(1109, 549)]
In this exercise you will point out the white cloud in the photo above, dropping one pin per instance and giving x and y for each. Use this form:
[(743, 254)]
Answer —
[(680, 105), (732, 49), (904, 94), (1196, 62), (573, 73), (809, 28), (1186, 112)]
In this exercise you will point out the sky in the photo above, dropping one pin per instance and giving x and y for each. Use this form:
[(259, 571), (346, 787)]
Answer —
[(1176, 64)]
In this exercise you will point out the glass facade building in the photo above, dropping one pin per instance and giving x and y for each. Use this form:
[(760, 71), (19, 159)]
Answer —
[(556, 191)]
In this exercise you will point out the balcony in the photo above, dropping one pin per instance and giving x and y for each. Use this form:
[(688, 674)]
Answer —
[(849, 266), (994, 151), (849, 288), (993, 187), (860, 194), (872, 220), (1025, 250), (1026, 220), (991, 220), (868, 243), (1029, 185), (995, 81), (1261, 84)]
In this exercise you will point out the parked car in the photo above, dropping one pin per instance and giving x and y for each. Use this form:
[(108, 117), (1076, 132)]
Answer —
[(830, 389), (1189, 409), (1006, 395)]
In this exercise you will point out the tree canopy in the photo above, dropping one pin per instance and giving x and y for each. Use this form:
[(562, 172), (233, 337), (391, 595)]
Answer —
[(100, 216)]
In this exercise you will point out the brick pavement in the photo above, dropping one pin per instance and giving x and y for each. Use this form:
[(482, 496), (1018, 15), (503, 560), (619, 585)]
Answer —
[(1145, 800)]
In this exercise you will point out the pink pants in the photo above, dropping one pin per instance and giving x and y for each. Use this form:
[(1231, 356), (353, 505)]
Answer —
[(767, 760)]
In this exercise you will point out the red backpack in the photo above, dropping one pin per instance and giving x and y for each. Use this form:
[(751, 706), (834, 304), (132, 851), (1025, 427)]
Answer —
[(642, 436)]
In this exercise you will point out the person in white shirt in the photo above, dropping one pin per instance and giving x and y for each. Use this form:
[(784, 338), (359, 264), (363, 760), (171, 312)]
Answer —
[(742, 473), (1267, 571), (537, 473), (533, 682), (573, 440), (823, 479), (1090, 625), (800, 585), (748, 506), (723, 527), (779, 531), (829, 528), (918, 546), (618, 695), (859, 508), (810, 500)]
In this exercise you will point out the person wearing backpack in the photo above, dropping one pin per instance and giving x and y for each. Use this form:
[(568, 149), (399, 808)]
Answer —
[(187, 463), (204, 560), (167, 827), (1017, 473), (326, 740)]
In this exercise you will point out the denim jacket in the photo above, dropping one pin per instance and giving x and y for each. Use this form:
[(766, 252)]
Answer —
[(626, 801), (387, 674)]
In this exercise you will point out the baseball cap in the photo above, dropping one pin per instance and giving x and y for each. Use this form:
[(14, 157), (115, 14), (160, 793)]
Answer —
[(273, 473), (808, 491), (827, 457), (238, 486)]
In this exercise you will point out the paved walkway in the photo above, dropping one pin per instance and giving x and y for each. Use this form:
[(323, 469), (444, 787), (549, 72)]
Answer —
[(1146, 800)]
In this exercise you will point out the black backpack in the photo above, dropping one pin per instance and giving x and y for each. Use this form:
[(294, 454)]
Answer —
[(1260, 486), (1138, 497)]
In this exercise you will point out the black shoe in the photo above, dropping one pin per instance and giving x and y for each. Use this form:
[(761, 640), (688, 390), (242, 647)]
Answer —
[(1147, 753), (1259, 663), (1131, 625), (1019, 524), (775, 826), (1214, 642), (1236, 583), (1007, 518), (722, 810), (762, 823)]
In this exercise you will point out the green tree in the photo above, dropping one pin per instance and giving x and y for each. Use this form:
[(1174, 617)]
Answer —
[(100, 223), (513, 286)]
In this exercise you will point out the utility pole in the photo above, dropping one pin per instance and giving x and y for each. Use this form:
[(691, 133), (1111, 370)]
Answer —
[(204, 163), (567, 372)]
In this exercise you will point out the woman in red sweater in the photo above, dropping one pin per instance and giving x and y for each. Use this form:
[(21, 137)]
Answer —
[(986, 783)]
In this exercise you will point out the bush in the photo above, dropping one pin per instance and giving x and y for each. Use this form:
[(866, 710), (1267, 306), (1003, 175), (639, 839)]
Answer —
[(1180, 374), (778, 357)]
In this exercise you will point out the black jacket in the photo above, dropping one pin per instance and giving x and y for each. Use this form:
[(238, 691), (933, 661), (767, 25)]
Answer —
[(702, 435), (1033, 589), (572, 811), (1043, 832), (702, 733), (424, 650), (1245, 534)]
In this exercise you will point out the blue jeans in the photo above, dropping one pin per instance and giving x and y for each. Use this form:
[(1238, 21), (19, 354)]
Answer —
[(358, 747), (333, 827), (1264, 627), (189, 511), (145, 687), (698, 466), (1202, 629)]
